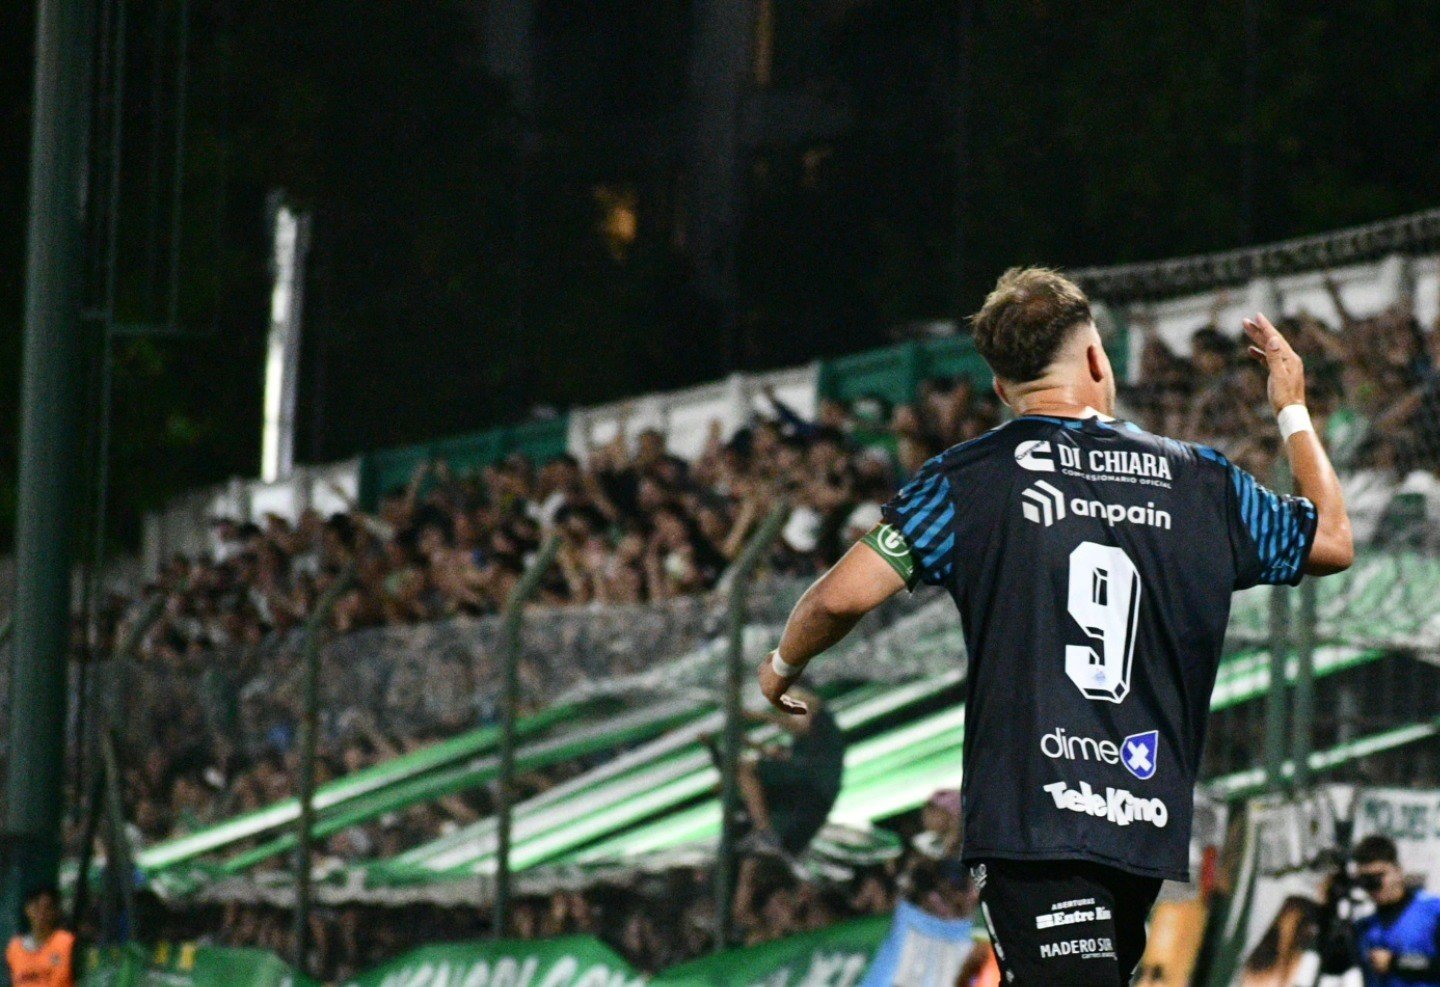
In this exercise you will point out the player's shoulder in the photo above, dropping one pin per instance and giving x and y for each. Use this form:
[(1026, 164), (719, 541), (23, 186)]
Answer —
[(1190, 453), (1030, 442), (982, 447)]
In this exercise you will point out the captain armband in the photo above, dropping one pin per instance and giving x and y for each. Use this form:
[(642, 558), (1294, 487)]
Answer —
[(890, 545)]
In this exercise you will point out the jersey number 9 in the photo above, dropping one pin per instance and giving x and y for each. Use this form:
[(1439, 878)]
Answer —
[(1104, 599)]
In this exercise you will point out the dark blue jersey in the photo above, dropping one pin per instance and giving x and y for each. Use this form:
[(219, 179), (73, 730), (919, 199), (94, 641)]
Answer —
[(1092, 564)]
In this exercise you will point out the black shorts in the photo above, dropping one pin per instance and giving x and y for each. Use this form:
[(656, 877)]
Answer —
[(1064, 921)]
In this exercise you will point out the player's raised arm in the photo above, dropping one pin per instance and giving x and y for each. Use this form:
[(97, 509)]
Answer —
[(857, 584), (1333, 549)]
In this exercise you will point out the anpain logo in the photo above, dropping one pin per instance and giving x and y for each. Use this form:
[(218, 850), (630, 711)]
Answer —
[(1043, 504)]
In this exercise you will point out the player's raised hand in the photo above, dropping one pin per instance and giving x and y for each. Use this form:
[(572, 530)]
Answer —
[(1287, 372), (773, 685)]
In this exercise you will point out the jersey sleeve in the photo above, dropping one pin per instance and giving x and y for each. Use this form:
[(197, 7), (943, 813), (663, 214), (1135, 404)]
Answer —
[(923, 515), (1270, 533)]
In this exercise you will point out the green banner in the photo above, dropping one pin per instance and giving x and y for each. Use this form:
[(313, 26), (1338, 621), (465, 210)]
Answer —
[(189, 965), (573, 961), (833, 957)]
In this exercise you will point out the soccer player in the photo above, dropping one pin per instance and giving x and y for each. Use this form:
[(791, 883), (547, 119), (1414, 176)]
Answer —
[(1092, 564)]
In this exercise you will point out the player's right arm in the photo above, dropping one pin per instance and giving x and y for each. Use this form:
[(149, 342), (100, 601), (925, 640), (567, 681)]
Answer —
[(857, 584), (914, 544), (1333, 548)]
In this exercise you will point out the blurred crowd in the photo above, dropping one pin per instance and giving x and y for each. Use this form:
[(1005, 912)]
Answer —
[(655, 920), (1373, 387), (636, 525), (214, 725)]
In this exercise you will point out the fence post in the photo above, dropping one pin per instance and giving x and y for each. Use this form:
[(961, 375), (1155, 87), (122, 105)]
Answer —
[(737, 581), (509, 698), (106, 792), (1277, 696), (309, 730), (1276, 702), (1303, 736)]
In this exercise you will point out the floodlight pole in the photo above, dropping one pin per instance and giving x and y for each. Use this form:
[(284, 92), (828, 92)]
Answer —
[(739, 579), (509, 699), (52, 385)]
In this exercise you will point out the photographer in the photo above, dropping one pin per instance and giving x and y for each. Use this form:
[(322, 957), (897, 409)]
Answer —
[(1399, 943)]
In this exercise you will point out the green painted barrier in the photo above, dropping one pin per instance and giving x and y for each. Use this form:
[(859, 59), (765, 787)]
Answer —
[(837, 957), (188, 965), (339, 793), (896, 372), (573, 961), (387, 469)]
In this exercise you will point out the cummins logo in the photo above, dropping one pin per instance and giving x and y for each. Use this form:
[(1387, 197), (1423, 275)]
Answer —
[(1117, 805), (1043, 504), (1034, 455)]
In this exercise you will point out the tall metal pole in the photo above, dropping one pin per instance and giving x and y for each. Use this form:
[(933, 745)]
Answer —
[(739, 578), (720, 65), (49, 448), (964, 28), (309, 734), (94, 584), (177, 190), (509, 700), (1251, 116)]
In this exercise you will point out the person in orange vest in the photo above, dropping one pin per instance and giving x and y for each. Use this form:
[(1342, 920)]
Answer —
[(44, 958)]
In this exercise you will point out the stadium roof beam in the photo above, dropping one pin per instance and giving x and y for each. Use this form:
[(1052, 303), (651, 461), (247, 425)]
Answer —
[(1406, 234)]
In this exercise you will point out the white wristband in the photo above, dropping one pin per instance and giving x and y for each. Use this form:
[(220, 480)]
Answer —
[(1293, 418), (782, 667)]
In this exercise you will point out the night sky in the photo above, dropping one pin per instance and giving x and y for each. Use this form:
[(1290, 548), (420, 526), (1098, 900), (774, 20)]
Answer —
[(443, 297)]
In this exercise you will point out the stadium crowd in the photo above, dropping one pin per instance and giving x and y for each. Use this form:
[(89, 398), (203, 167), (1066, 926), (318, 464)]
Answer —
[(654, 920), (1373, 383), (213, 733), (637, 525)]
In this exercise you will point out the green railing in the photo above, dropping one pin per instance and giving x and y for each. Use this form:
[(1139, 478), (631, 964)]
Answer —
[(386, 469)]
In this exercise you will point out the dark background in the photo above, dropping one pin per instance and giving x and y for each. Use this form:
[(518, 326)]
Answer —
[(1093, 133)]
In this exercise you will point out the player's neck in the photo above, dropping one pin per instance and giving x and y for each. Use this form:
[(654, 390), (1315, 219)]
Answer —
[(1058, 401)]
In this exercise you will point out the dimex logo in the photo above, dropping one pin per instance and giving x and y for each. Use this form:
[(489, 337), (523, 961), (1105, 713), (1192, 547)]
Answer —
[(1034, 455), (1140, 751), (1043, 503)]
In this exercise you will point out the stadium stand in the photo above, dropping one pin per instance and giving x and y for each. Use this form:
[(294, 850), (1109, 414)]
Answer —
[(619, 677)]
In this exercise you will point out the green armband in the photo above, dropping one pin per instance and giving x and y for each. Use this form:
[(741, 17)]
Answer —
[(891, 546)]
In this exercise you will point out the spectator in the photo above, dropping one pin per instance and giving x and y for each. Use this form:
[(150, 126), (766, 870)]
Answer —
[(46, 956), (789, 793), (1400, 943)]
